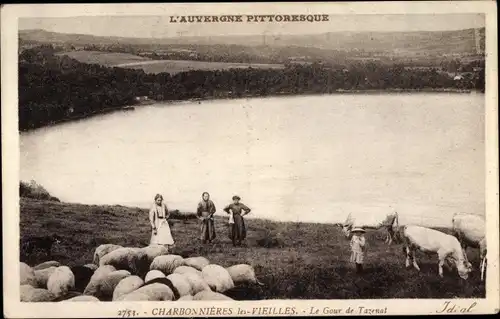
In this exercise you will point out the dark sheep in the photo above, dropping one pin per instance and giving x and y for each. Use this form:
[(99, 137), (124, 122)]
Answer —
[(82, 277), (166, 282)]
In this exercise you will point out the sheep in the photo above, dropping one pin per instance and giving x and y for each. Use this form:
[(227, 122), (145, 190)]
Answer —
[(152, 274), (61, 281), (180, 282), (166, 263), (152, 292), (42, 276), (102, 250), (134, 260), (186, 269), (139, 296), (47, 264), (166, 282), (105, 287), (196, 262), (217, 278), (31, 294), (210, 295), (185, 298), (91, 266), (127, 285), (82, 277), (243, 273), (83, 298), (27, 275), (100, 273), (153, 251), (197, 282)]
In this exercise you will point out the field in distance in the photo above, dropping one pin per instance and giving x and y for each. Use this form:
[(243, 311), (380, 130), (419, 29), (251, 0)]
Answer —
[(293, 260), (125, 60)]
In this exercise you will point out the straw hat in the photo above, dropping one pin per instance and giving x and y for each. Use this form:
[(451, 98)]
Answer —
[(358, 229)]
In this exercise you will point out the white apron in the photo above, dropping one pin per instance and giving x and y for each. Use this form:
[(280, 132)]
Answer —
[(163, 235)]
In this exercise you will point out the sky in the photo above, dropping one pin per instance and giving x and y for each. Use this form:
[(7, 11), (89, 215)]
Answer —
[(159, 26)]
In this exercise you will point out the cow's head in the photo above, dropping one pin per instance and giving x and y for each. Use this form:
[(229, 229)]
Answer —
[(346, 230), (464, 268)]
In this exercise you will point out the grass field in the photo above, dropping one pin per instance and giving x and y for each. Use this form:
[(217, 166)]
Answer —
[(177, 66), (125, 60), (108, 59), (310, 262)]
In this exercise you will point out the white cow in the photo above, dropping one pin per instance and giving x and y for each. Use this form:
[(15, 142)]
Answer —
[(429, 240), (390, 223), (470, 230)]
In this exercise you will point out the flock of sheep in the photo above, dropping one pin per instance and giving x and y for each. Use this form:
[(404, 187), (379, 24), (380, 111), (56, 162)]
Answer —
[(133, 274)]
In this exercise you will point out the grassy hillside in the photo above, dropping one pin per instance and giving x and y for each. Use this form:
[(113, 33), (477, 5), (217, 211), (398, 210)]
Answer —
[(103, 58), (309, 261), (178, 66), (125, 60)]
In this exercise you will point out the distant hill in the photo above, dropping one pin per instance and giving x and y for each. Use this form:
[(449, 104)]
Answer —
[(469, 41)]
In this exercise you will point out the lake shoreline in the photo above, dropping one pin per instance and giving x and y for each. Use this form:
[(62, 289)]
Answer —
[(246, 96)]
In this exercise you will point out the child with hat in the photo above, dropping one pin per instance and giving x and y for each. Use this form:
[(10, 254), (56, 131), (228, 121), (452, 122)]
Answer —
[(358, 248)]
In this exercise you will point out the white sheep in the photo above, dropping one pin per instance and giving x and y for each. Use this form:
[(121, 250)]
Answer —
[(137, 296), (102, 250), (217, 277), (155, 292), (134, 260), (152, 274), (186, 269), (83, 298), (31, 294), (61, 281), (27, 275), (166, 263), (185, 298), (210, 295), (47, 264), (197, 282), (127, 285), (91, 266), (104, 288), (42, 276), (182, 285), (196, 262), (243, 273), (153, 251), (100, 273)]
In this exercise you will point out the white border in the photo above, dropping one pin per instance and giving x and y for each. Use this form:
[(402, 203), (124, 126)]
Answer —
[(10, 153)]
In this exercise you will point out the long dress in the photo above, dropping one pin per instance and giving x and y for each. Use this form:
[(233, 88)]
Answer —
[(158, 217), (237, 229), (205, 209)]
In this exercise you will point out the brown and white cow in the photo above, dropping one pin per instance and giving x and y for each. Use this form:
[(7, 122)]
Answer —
[(429, 240)]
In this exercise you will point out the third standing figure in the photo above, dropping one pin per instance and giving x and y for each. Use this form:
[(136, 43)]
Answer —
[(237, 229)]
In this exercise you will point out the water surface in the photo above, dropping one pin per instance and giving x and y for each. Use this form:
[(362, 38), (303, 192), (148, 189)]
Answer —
[(306, 158)]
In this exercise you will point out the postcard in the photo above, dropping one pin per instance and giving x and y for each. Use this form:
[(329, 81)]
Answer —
[(250, 159)]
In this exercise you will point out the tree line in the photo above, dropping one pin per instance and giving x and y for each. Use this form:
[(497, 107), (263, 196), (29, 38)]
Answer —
[(54, 88)]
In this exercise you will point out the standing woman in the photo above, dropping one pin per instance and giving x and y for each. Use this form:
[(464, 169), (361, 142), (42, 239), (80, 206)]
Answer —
[(205, 212), (158, 217), (237, 229)]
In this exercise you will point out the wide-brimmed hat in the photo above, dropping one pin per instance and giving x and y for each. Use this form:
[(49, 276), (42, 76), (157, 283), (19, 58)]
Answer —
[(358, 229), (236, 197)]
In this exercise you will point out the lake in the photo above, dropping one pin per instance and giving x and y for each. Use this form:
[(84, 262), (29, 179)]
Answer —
[(303, 158)]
